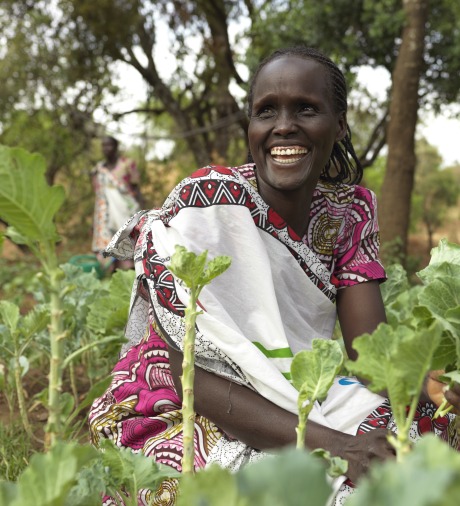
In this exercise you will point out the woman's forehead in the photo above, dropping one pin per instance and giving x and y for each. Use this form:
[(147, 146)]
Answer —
[(292, 72)]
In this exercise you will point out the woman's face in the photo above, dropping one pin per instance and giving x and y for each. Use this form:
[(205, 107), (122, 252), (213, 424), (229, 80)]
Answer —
[(293, 124)]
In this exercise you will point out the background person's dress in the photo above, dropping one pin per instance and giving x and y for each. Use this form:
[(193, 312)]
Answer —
[(115, 202)]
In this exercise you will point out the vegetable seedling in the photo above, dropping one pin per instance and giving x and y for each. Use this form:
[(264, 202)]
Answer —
[(194, 272), (313, 372)]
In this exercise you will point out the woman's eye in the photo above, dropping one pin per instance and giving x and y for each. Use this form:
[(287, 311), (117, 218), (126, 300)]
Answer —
[(305, 108), (265, 112)]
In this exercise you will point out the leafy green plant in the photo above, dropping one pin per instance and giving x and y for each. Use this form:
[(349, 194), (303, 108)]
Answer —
[(285, 479), (423, 333), (429, 476), (29, 205), (313, 372), (194, 272), (15, 339), (76, 475)]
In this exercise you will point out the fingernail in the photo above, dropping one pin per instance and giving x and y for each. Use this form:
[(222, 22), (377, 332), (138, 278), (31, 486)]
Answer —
[(445, 388)]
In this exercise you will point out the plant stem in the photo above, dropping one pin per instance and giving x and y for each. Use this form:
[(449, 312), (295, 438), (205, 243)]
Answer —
[(188, 378), (21, 398), (73, 383), (300, 429), (57, 335)]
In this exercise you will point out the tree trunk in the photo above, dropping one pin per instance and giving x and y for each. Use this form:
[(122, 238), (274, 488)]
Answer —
[(399, 176)]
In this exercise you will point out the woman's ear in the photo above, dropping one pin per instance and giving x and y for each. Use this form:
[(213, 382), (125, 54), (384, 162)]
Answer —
[(341, 126)]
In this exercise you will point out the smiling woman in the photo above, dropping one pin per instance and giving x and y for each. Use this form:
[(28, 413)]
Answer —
[(304, 241)]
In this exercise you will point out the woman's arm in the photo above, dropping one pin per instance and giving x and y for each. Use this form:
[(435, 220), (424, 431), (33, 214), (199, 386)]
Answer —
[(360, 310), (254, 420)]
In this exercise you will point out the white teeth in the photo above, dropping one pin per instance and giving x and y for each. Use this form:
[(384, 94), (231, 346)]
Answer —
[(288, 151), (285, 161)]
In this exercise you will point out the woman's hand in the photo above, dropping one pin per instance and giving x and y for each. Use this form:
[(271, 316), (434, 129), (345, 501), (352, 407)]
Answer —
[(437, 391), (363, 450)]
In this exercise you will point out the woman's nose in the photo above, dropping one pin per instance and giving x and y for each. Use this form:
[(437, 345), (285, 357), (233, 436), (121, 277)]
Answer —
[(284, 123)]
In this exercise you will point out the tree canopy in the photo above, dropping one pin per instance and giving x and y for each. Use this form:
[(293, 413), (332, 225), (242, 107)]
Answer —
[(57, 61)]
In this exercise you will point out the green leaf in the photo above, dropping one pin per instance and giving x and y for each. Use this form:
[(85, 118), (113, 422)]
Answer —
[(445, 261), (216, 267), (450, 376), (109, 312), (190, 267), (313, 371), (428, 476), (290, 478), (187, 265), (396, 360), (395, 284), (35, 321), (18, 238), (24, 363), (26, 201), (336, 465), (66, 404), (9, 315), (8, 493), (446, 352), (212, 486), (440, 297), (133, 471), (50, 476), (89, 487)]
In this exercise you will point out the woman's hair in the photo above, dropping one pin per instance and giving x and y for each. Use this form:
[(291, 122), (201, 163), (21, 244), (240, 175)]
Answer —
[(112, 140), (344, 164)]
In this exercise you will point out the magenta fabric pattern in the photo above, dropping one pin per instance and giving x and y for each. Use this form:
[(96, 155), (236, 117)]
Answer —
[(141, 411)]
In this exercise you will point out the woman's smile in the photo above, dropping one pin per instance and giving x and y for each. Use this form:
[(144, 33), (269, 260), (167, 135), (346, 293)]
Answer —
[(288, 154)]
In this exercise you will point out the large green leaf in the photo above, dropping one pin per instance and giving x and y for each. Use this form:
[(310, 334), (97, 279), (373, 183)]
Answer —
[(192, 268), (132, 471), (396, 283), (109, 312), (9, 315), (428, 476), (26, 201), (291, 478), (50, 476), (445, 261), (313, 371), (442, 296), (396, 360), (212, 486)]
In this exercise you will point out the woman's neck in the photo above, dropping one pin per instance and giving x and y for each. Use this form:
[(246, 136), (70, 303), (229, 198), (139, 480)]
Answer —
[(293, 206)]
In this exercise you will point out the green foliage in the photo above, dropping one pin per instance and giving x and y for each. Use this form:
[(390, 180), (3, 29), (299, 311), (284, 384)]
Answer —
[(76, 475), (129, 471), (441, 295), (429, 476), (49, 477), (16, 449), (285, 479), (313, 372), (192, 268), (397, 360), (26, 202), (422, 332), (108, 312)]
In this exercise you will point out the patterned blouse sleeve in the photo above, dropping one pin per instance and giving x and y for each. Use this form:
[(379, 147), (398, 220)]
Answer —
[(358, 247)]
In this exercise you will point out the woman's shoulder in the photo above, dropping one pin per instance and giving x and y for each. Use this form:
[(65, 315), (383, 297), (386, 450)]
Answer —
[(343, 194)]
